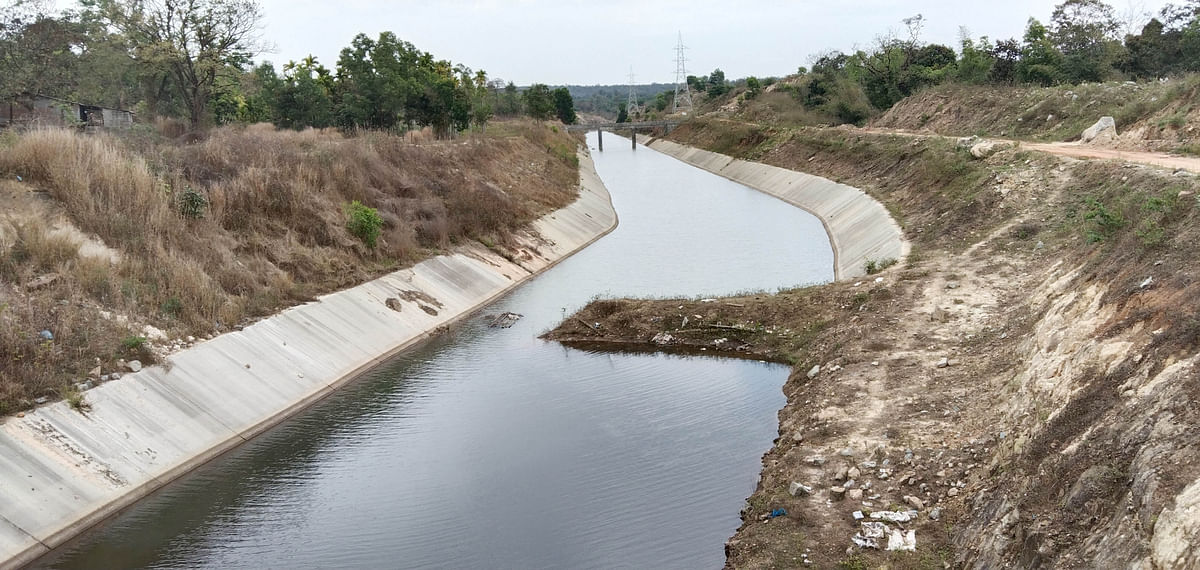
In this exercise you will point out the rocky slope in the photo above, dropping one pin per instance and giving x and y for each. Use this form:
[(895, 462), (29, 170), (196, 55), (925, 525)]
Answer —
[(1160, 116)]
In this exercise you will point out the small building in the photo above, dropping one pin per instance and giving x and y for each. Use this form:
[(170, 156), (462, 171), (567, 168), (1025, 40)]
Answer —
[(41, 110)]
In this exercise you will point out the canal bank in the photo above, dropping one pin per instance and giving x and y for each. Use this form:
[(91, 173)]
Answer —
[(860, 228), (62, 472)]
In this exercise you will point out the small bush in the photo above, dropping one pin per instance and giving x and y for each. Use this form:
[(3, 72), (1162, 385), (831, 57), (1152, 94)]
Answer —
[(192, 204), (364, 223), (1105, 222), (133, 342), (172, 307), (874, 266), (75, 398)]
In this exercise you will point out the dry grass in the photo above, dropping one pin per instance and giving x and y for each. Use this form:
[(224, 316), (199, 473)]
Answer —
[(270, 229)]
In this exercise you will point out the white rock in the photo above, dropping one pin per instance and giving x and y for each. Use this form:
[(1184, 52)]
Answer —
[(134, 365), (153, 333), (1104, 130), (943, 363), (812, 373)]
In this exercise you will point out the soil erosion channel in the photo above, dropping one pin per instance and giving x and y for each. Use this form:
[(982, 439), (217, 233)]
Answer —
[(490, 447)]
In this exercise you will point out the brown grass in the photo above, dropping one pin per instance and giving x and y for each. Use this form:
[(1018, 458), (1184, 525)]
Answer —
[(271, 232)]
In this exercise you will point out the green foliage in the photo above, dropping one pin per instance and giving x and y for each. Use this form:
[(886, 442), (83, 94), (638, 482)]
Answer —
[(364, 223), (192, 204), (172, 307), (753, 87), (1104, 222), (539, 102), (622, 114), (874, 266), (564, 106), (75, 398), (133, 342), (716, 84)]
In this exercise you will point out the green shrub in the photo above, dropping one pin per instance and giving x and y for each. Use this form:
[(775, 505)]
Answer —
[(192, 204), (364, 223), (133, 342), (874, 266)]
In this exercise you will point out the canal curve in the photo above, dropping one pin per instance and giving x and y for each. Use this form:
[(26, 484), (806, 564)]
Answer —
[(492, 448)]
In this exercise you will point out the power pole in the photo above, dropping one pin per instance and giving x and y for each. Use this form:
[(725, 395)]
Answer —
[(683, 96), (631, 103)]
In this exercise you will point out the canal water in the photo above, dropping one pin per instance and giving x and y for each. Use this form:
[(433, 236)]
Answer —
[(490, 448)]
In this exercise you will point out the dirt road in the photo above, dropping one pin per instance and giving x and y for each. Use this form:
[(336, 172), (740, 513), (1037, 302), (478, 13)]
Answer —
[(1080, 151)]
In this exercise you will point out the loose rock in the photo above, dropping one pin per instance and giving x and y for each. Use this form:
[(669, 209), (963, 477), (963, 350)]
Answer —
[(1105, 130), (914, 502), (796, 489), (134, 365), (837, 493)]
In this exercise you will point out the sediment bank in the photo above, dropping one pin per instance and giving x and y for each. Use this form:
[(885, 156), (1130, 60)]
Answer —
[(62, 471), (859, 227)]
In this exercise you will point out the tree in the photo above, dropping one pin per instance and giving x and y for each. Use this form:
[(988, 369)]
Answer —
[(717, 85), (564, 106), (539, 103), (197, 41), (37, 54), (977, 60), (753, 87), (622, 113), (1040, 61), (1084, 31)]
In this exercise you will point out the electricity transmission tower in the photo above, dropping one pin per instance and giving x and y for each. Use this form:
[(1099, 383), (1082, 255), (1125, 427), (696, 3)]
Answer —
[(683, 96), (631, 104)]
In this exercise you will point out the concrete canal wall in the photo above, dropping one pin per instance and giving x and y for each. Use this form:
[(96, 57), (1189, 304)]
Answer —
[(62, 471), (859, 227)]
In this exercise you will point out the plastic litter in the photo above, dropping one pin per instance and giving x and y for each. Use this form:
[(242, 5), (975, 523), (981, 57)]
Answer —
[(778, 513)]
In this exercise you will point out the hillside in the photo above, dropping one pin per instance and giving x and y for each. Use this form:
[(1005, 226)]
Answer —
[(1161, 116), (1022, 381), (121, 249)]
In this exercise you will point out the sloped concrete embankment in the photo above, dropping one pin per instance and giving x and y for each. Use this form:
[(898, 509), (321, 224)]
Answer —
[(859, 227), (62, 471)]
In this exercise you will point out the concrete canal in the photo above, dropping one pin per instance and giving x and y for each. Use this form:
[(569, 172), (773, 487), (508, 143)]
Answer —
[(488, 447)]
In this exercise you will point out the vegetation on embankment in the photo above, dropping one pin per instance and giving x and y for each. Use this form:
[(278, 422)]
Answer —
[(1018, 392), (938, 193), (101, 236), (1158, 115)]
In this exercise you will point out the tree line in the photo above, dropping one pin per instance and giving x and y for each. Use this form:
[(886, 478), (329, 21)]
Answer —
[(194, 59), (1084, 41)]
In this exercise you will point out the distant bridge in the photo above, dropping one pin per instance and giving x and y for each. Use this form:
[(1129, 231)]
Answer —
[(632, 127), (615, 126)]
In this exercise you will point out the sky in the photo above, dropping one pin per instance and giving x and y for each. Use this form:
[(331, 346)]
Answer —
[(581, 42)]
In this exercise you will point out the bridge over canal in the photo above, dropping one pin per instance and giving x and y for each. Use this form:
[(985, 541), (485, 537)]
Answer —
[(632, 127)]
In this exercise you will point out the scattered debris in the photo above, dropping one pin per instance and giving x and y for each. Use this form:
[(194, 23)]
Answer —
[(895, 516), (870, 534), (393, 304), (902, 540), (797, 488), (503, 320)]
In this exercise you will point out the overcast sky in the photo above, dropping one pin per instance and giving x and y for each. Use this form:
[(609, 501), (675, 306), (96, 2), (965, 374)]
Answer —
[(593, 42)]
